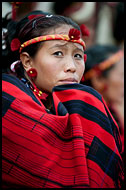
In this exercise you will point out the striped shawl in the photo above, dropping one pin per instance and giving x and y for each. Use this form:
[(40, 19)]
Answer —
[(78, 145)]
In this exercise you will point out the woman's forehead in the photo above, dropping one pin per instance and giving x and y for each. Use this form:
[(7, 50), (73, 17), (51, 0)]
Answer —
[(63, 29), (61, 43)]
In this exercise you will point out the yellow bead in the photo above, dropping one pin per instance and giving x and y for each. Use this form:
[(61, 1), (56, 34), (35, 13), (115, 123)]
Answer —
[(34, 90), (31, 72), (40, 92)]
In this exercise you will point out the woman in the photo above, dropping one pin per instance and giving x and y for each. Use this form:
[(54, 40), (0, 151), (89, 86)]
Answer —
[(56, 132), (104, 72)]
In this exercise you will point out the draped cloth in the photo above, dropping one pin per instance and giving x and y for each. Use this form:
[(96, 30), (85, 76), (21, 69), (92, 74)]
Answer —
[(77, 144)]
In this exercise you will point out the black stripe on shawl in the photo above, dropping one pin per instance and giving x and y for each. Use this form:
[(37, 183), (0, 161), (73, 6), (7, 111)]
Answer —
[(61, 109), (87, 111), (108, 160), (7, 99), (115, 132)]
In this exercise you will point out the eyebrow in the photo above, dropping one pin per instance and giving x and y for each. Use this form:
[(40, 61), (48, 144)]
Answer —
[(63, 45)]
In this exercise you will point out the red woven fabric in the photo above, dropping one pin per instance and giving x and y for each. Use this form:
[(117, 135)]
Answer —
[(77, 144)]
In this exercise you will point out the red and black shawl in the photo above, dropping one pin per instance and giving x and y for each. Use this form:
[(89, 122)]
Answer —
[(76, 146)]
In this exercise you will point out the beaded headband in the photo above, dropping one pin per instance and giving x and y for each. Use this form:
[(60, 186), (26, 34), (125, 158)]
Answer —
[(74, 36), (98, 69)]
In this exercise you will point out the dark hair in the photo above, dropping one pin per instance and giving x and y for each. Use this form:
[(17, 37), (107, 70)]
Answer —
[(40, 26), (97, 54)]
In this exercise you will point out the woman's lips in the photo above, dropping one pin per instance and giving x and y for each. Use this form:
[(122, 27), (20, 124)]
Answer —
[(69, 81)]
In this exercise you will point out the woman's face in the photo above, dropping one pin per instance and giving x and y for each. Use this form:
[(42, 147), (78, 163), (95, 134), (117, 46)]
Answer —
[(115, 83), (58, 62)]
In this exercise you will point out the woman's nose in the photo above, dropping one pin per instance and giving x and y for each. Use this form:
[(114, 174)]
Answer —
[(70, 65)]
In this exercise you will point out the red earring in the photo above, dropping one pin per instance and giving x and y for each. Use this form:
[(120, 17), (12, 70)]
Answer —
[(32, 73)]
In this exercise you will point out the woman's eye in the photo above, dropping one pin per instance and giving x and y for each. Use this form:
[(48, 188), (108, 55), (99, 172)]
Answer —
[(78, 56), (58, 53)]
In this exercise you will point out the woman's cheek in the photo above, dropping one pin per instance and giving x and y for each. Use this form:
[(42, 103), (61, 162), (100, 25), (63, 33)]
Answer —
[(82, 69)]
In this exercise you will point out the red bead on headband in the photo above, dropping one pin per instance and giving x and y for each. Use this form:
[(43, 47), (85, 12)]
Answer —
[(74, 36)]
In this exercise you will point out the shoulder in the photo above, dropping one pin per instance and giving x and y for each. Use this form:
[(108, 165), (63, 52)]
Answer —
[(8, 78), (11, 84), (79, 89), (15, 87), (91, 91), (74, 95), (12, 79)]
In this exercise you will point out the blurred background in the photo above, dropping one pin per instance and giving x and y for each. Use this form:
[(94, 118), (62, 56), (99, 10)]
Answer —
[(104, 19)]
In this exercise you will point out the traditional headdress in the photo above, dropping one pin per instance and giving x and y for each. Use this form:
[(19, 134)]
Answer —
[(73, 36)]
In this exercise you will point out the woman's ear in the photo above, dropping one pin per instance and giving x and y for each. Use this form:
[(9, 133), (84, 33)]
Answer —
[(26, 60)]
